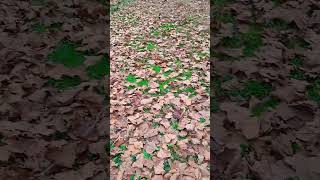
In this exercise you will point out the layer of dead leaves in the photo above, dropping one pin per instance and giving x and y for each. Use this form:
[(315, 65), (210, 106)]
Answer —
[(143, 123), (282, 143), (45, 133)]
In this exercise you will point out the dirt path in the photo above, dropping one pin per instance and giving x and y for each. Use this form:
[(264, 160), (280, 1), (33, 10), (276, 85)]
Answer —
[(160, 90)]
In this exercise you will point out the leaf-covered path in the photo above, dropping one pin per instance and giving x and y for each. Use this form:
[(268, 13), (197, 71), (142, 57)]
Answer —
[(159, 123)]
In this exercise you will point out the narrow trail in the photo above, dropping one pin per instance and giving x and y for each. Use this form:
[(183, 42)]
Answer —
[(159, 124)]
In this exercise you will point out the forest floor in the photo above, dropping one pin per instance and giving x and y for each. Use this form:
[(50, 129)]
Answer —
[(159, 126)]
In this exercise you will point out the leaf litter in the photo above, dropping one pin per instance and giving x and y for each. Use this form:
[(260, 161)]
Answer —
[(159, 108), (265, 89), (53, 67)]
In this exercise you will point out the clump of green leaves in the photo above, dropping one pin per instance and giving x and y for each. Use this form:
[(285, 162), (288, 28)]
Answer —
[(131, 78), (167, 26), (244, 150), (117, 159), (109, 146), (174, 154), (133, 158), (166, 166), (39, 28), (155, 124), (143, 82), (174, 125), (251, 41), (156, 68), (202, 120), (65, 53), (256, 89), (121, 3), (297, 42), (224, 57), (146, 155), (223, 16), (295, 147), (167, 73), (297, 74), (293, 178), (123, 147), (99, 70), (297, 61), (65, 82), (278, 24), (278, 2), (313, 91), (150, 46), (270, 103), (187, 74)]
